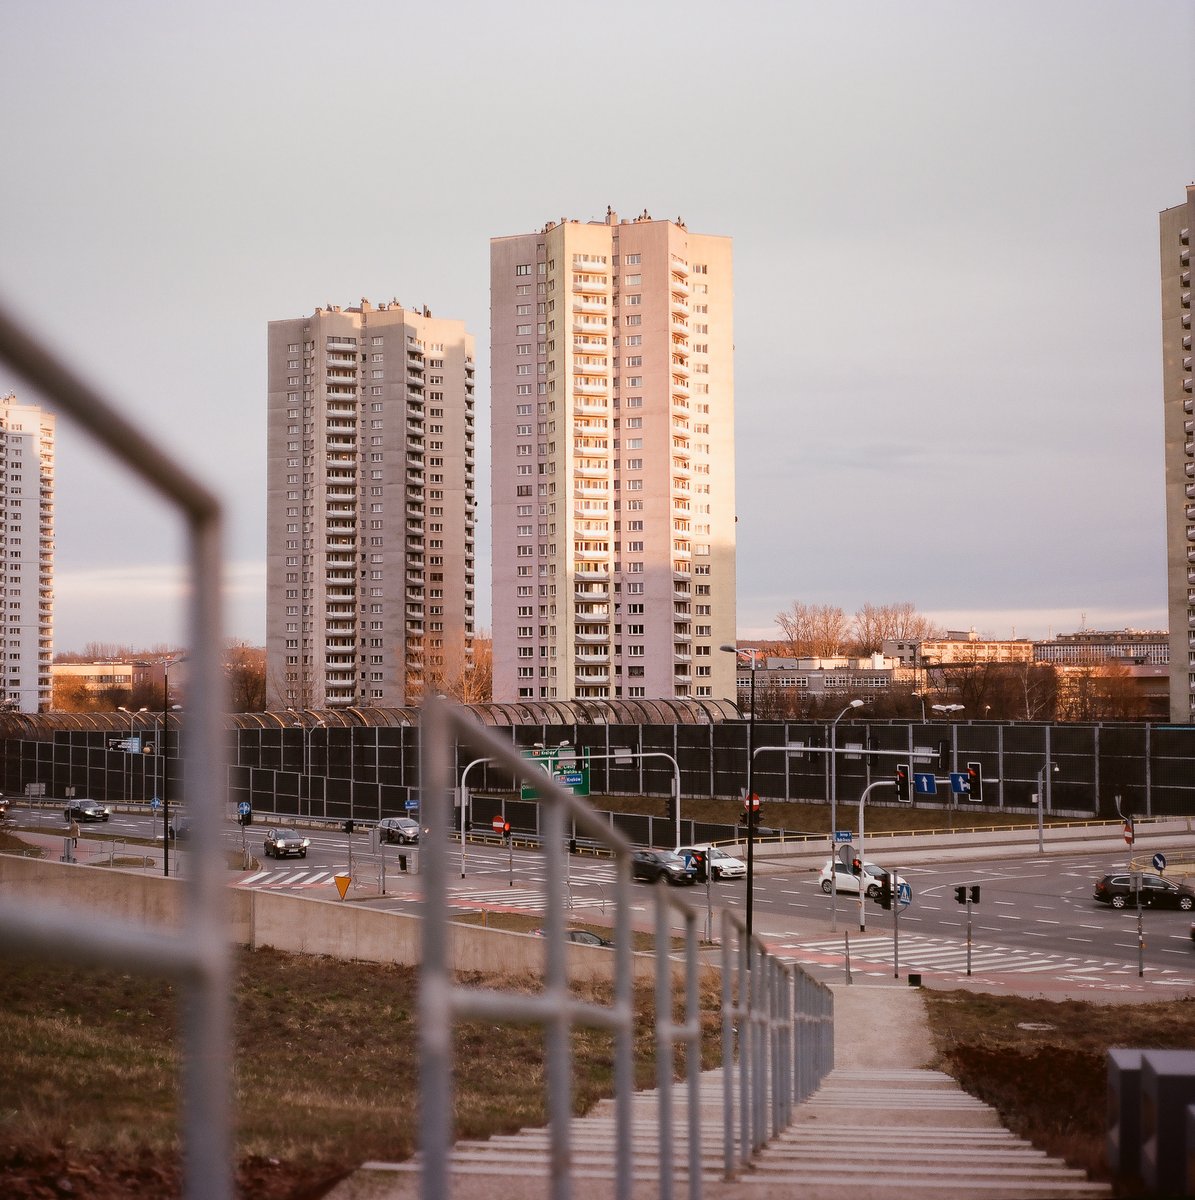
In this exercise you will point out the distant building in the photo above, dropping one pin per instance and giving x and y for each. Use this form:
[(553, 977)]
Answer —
[(956, 648), (98, 678), (27, 554), (814, 678), (1128, 646), (370, 506), (612, 401), (1178, 416)]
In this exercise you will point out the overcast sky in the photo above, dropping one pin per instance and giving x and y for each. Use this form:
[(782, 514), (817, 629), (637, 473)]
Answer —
[(945, 224)]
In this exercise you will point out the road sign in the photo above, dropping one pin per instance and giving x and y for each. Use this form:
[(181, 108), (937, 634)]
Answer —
[(960, 783), (411, 805), (925, 784), (904, 894), (751, 802), (155, 804), (499, 824), (244, 808), (1159, 861), (843, 835), (342, 884)]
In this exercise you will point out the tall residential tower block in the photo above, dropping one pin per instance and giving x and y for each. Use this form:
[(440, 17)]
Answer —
[(612, 388), (1176, 226), (26, 555), (371, 507)]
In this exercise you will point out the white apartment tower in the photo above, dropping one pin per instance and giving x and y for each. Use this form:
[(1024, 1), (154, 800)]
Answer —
[(371, 507), (1176, 226), (27, 554), (612, 388)]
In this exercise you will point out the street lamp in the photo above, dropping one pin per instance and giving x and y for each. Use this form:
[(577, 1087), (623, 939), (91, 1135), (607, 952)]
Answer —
[(736, 651), (128, 771), (920, 696), (856, 703), (1041, 787), (947, 709), (166, 711)]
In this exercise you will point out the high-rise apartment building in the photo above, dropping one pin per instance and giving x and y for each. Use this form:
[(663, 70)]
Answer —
[(1178, 400), (371, 506), (26, 554), (612, 389)]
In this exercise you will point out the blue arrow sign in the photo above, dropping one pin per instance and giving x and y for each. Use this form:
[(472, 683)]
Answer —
[(925, 784), (842, 835), (155, 804), (244, 807), (411, 805), (960, 783), (1159, 861)]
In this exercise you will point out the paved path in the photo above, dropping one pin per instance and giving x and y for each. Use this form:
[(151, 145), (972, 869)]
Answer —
[(883, 1124)]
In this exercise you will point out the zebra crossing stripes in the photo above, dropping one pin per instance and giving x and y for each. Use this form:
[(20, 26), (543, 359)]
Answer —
[(527, 899), (924, 952), (309, 877)]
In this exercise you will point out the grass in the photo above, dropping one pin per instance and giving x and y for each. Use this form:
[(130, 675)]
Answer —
[(325, 1072), (1042, 1064)]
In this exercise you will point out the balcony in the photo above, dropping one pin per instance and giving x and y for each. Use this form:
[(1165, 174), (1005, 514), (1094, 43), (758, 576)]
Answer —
[(580, 489), (589, 387), (597, 405), (591, 593), (592, 471), (592, 679), (589, 325), (590, 306), (584, 571), (596, 636), (594, 656), (591, 555), (590, 267)]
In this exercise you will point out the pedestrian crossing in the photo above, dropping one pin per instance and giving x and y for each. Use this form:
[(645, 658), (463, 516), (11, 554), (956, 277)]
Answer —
[(305, 878), (922, 952)]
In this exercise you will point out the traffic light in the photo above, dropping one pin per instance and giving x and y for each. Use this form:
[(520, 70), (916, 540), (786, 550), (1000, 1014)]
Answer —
[(857, 865), (963, 893), (973, 893), (960, 894), (904, 783), (245, 818), (670, 808), (348, 825), (975, 776), (506, 830), (885, 896)]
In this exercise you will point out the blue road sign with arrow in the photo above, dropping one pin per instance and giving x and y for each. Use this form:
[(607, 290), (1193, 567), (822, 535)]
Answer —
[(925, 784), (960, 783), (1159, 861)]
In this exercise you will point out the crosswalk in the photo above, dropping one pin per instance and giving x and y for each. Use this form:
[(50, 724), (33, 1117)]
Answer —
[(304, 878), (920, 952)]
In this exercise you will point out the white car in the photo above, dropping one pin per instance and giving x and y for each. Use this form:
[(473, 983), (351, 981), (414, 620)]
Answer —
[(848, 881), (721, 864)]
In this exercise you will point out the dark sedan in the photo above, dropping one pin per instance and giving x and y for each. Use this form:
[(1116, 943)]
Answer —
[(85, 810), (1156, 892), (654, 865)]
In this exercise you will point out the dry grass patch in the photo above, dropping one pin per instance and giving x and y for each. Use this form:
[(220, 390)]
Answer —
[(1041, 1064), (325, 1073)]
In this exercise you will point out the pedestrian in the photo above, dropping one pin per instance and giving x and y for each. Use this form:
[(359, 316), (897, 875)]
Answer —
[(74, 834)]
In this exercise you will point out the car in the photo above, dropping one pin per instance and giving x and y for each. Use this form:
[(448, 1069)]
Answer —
[(85, 810), (283, 842), (583, 937), (654, 865), (4, 806), (398, 829), (721, 864), (848, 881), (1156, 892)]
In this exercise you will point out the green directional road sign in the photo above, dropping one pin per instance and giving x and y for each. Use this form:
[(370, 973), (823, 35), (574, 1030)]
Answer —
[(562, 764)]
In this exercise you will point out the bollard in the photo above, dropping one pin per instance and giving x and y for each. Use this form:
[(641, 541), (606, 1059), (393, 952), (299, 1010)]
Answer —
[(402, 862)]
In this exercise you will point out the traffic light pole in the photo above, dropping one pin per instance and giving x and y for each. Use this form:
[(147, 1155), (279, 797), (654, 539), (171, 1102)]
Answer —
[(871, 787)]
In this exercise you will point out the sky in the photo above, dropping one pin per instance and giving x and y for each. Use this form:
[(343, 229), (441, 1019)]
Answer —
[(945, 225)]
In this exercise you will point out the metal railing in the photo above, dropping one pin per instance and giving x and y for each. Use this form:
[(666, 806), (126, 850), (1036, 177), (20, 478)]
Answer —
[(196, 956), (781, 1019)]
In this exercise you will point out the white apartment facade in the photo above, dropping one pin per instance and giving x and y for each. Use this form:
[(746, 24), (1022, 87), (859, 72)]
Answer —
[(612, 391), (27, 554), (371, 508), (1178, 400)]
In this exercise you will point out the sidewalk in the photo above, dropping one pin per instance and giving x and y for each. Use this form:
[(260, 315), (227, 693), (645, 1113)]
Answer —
[(882, 1124)]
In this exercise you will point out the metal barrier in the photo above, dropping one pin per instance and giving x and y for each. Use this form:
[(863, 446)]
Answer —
[(784, 1019), (197, 956)]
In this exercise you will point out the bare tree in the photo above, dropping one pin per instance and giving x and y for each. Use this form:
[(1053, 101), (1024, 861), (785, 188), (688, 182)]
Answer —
[(813, 630), (245, 670), (874, 623)]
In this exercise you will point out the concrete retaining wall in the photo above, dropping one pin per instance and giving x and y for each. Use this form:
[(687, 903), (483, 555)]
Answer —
[(298, 924)]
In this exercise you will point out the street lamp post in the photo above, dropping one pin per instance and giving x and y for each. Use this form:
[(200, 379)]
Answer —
[(920, 696), (1041, 788), (856, 703), (166, 710), (735, 650), (128, 770), (947, 709)]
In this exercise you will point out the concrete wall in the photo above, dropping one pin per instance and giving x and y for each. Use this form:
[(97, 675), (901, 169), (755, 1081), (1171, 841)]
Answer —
[(298, 924)]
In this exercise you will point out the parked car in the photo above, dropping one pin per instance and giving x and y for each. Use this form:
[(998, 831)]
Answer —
[(180, 828), (848, 881), (654, 865), (4, 806), (582, 937), (283, 842), (85, 810), (1156, 892), (402, 830), (721, 864)]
